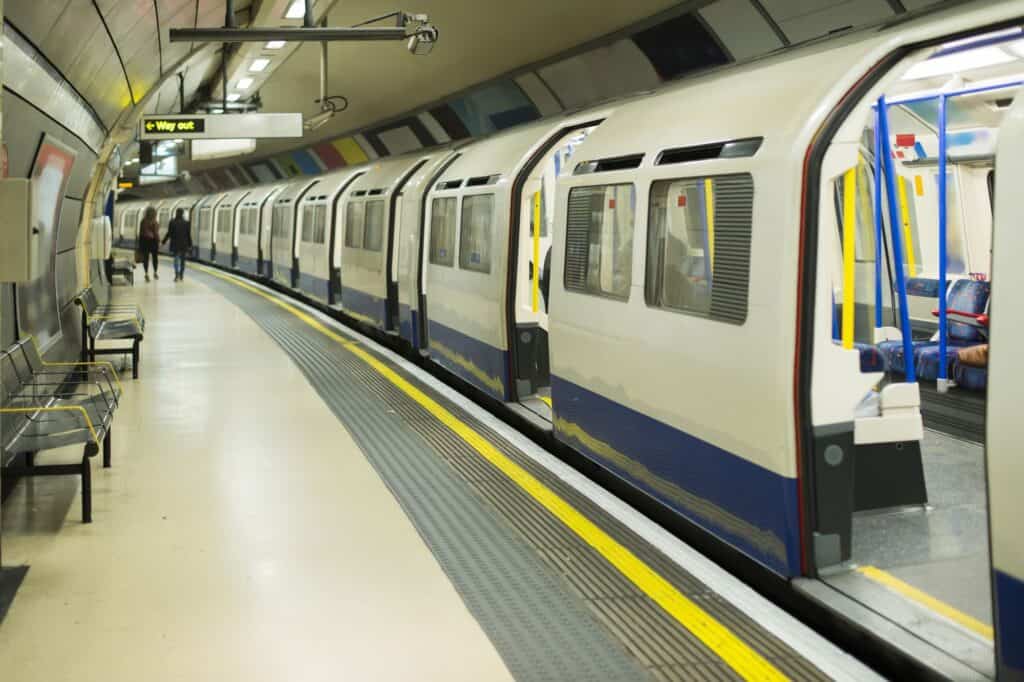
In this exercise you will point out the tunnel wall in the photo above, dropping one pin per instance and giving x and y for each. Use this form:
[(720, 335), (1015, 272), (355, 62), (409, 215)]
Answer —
[(44, 307)]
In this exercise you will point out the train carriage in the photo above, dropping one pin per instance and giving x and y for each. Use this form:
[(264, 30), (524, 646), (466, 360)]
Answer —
[(254, 213), (317, 234), (283, 266), (225, 220)]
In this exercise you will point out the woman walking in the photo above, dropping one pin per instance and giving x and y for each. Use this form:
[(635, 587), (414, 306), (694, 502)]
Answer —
[(149, 240)]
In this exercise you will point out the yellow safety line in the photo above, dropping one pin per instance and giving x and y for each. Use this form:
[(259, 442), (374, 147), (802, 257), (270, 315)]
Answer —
[(745, 661), (709, 211), (926, 600), (849, 252), (908, 238), (536, 251), (60, 408)]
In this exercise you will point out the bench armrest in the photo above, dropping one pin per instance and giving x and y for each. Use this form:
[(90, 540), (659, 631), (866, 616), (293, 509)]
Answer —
[(33, 411), (103, 367)]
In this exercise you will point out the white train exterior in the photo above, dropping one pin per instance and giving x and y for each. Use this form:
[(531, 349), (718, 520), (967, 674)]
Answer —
[(707, 384)]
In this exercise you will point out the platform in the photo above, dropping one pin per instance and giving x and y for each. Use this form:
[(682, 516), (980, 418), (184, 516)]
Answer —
[(291, 501)]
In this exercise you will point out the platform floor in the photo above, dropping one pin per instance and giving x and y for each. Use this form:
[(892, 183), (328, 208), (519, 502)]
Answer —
[(289, 502)]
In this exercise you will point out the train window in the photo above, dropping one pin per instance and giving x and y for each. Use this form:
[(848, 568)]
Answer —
[(442, 231), (599, 240), (373, 237), (477, 226), (320, 224), (224, 219), (698, 246), (308, 222), (355, 214)]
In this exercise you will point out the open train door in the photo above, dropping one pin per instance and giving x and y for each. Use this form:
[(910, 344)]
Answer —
[(1005, 428)]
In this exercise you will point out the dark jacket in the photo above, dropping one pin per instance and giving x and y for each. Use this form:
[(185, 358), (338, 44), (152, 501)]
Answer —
[(179, 232)]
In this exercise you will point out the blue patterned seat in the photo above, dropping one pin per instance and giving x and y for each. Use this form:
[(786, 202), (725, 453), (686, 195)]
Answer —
[(969, 377), (965, 295)]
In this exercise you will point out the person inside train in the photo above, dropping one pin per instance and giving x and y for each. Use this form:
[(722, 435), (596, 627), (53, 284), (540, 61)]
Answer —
[(149, 241), (179, 233)]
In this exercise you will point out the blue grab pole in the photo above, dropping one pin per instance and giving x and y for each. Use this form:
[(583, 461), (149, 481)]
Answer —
[(897, 241), (942, 238), (878, 228)]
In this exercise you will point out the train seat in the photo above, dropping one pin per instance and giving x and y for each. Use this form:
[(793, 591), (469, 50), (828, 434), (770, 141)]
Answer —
[(966, 296), (871, 359), (970, 377)]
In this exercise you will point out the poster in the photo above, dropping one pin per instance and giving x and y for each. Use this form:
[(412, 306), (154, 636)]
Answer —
[(38, 309)]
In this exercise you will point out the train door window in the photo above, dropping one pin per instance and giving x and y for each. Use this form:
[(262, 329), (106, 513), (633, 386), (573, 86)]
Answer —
[(308, 223), (355, 219), (320, 224), (599, 240), (690, 222), (442, 231), (477, 227), (373, 234)]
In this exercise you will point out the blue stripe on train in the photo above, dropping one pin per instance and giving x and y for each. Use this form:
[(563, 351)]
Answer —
[(247, 264), (1009, 622), (479, 363), (283, 273), (363, 306), (205, 254), (314, 286), (408, 325), (752, 508)]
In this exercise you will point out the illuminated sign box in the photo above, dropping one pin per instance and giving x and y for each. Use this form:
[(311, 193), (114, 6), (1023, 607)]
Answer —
[(220, 126)]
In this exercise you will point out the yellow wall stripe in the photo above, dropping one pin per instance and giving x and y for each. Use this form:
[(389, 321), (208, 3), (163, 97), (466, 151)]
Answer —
[(926, 600), (908, 238), (849, 253), (718, 638), (919, 185), (709, 210), (536, 251)]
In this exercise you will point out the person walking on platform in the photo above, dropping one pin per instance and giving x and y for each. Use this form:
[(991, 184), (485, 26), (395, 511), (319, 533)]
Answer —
[(149, 240), (179, 233)]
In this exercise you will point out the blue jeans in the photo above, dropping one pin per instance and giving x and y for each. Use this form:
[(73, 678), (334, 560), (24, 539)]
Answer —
[(179, 265)]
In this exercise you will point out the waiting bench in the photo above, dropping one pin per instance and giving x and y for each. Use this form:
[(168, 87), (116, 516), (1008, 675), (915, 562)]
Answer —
[(48, 405), (123, 323)]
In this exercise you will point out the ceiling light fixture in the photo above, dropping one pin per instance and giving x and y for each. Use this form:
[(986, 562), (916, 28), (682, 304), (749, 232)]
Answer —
[(259, 64), (296, 10), (234, 97), (244, 83), (958, 62), (275, 44)]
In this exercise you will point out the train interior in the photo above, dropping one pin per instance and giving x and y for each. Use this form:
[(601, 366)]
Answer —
[(911, 311), (536, 216)]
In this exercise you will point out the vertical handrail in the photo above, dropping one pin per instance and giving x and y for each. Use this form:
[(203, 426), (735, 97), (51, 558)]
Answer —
[(849, 254), (878, 228), (941, 380), (897, 239)]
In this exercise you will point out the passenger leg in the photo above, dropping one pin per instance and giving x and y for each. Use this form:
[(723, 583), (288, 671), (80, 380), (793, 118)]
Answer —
[(153, 253)]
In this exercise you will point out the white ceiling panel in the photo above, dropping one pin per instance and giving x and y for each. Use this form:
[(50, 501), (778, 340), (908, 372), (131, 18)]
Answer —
[(832, 17), (600, 74), (539, 93)]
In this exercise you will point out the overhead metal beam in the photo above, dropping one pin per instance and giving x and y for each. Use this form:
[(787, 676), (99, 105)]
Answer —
[(296, 34)]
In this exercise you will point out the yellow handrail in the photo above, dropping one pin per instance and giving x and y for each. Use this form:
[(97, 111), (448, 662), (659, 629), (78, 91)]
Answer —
[(100, 363), (536, 251), (849, 248), (57, 408)]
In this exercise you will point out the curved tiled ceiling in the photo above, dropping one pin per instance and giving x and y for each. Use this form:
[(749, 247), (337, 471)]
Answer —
[(114, 51)]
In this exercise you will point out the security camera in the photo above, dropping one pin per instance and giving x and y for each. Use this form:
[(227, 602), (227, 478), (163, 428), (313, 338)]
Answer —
[(317, 120), (422, 41)]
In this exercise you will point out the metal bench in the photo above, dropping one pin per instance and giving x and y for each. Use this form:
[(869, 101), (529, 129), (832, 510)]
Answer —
[(110, 323), (123, 267), (47, 406)]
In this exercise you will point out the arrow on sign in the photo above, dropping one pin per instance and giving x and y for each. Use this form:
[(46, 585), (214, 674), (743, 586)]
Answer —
[(149, 125)]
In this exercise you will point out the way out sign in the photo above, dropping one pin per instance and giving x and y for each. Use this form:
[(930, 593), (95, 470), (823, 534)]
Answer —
[(220, 126)]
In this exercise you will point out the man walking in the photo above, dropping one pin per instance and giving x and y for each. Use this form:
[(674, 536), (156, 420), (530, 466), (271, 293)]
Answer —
[(179, 232)]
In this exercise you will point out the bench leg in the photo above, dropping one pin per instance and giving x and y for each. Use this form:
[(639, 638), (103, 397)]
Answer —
[(86, 490), (135, 359), (106, 451), (92, 349)]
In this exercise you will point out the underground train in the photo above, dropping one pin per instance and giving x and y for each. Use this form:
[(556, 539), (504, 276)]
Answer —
[(696, 287)]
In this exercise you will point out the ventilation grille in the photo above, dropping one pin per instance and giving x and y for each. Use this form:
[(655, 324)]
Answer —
[(732, 149), (450, 184), (481, 180), (577, 237), (611, 164), (734, 208)]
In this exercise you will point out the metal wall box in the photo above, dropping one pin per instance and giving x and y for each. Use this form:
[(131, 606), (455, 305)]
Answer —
[(19, 250)]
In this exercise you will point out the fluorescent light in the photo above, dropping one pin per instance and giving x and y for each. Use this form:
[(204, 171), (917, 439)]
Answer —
[(234, 97), (259, 64), (274, 44), (984, 37), (296, 10), (1017, 47), (215, 149), (244, 83), (958, 62)]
